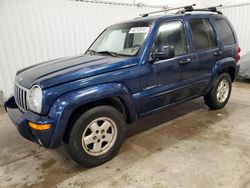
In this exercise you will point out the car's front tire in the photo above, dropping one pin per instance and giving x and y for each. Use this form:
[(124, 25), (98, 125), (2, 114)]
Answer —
[(220, 93), (97, 136)]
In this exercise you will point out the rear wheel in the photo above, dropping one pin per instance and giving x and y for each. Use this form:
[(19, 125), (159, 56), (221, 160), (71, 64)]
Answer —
[(97, 136), (219, 95)]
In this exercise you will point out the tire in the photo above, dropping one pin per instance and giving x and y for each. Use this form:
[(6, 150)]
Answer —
[(217, 101), (97, 136)]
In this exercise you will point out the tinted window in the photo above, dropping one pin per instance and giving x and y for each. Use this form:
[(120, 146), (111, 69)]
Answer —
[(203, 34), (225, 31), (172, 34)]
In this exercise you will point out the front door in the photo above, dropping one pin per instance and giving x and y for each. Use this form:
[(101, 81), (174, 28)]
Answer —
[(166, 81)]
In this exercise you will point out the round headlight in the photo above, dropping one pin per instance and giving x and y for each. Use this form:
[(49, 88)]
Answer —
[(35, 98)]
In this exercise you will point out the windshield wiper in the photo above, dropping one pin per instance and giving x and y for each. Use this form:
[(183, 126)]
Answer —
[(108, 52), (91, 51)]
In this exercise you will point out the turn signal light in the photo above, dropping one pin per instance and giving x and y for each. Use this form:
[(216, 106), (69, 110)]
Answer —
[(39, 127)]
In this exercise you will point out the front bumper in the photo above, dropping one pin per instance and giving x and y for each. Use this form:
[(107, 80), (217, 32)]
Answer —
[(21, 120)]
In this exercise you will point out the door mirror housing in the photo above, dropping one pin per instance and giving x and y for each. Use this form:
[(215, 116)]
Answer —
[(163, 52)]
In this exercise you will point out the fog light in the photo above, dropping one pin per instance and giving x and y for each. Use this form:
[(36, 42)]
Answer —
[(40, 127)]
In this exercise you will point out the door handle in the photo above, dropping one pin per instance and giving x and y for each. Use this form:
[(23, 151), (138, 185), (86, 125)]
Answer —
[(218, 53), (185, 61)]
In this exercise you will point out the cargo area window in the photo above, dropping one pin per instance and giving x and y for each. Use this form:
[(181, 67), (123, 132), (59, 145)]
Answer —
[(203, 34), (225, 31)]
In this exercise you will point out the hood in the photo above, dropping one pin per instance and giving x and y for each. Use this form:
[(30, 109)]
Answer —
[(63, 70)]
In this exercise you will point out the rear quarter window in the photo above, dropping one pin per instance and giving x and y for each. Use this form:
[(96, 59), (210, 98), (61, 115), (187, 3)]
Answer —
[(226, 33)]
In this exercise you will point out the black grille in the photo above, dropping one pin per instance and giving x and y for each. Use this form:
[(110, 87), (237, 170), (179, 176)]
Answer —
[(20, 94)]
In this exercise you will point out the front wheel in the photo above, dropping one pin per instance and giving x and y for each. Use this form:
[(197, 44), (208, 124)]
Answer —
[(219, 95), (97, 136)]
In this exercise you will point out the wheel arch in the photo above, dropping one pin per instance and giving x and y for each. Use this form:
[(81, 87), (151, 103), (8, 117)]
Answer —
[(231, 70), (227, 65), (69, 106), (115, 102)]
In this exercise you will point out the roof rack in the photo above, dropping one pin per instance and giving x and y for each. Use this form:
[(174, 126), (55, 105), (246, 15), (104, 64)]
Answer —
[(208, 9), (189, 7)]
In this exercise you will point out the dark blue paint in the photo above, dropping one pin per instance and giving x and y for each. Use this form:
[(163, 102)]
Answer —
[(143, 87)]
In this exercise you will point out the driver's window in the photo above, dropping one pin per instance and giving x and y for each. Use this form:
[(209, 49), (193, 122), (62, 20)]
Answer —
[(171, 34)]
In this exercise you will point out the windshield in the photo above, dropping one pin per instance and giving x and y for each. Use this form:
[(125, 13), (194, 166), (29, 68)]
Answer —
[(123, 39)]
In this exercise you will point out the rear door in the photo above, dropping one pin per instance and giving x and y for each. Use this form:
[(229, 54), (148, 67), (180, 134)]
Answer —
[(206, 48)]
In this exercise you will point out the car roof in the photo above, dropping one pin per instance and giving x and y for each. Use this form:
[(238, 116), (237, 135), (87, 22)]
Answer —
[(167, 16)]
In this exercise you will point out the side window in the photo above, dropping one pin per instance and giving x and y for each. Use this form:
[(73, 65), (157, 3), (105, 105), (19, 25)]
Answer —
[(171, 34), (225, 31), (203, 34)]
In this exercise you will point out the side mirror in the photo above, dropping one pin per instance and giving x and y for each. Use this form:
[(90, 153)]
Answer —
[(164, 52)]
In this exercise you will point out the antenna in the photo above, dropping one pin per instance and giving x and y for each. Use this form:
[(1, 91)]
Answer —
[(188, 7)]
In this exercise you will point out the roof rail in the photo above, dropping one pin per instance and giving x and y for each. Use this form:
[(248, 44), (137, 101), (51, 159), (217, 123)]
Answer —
[(188, 7), (208, 9)]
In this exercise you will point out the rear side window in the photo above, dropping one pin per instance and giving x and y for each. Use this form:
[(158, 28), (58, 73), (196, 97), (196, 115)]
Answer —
[(225, 31), (203, 34)]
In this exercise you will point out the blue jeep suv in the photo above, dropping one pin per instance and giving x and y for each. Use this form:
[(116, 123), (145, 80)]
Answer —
[(132, 69)]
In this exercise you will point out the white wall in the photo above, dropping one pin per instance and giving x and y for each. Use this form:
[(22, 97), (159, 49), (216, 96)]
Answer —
[(33, 31), (171, 3), (239, 17)]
